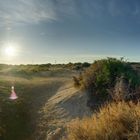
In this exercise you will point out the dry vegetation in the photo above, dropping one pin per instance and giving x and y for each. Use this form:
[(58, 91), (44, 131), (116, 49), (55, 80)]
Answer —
[(112, 87), (115, 121)]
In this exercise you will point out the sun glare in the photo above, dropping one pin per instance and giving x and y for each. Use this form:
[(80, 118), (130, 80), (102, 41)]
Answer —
[(10, 50)]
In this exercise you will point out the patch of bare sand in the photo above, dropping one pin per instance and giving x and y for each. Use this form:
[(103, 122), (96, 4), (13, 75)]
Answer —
[(67, 104)]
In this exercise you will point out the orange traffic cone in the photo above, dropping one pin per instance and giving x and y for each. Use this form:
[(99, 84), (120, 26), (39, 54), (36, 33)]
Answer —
[(13, 95)]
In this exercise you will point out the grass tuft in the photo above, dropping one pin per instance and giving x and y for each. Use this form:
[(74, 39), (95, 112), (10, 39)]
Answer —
[(115, 121)]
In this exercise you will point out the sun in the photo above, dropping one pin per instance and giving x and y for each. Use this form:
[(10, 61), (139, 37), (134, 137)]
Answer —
[(10, 50)]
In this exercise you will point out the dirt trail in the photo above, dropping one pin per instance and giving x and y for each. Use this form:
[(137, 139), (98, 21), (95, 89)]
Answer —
[(51, 102), (66, 104)]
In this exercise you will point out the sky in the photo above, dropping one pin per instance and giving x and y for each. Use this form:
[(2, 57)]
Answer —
[(62, 31)]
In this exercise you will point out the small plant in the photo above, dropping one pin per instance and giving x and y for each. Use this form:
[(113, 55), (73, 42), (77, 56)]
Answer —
[(76, 82)]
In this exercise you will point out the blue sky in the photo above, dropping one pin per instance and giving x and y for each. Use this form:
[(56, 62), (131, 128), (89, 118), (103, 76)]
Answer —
[(43, 31)]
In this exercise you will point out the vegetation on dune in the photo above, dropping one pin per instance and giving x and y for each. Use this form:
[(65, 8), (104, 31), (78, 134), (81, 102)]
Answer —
[(32, 70), (108, 79), (115, 121), (104, 81)]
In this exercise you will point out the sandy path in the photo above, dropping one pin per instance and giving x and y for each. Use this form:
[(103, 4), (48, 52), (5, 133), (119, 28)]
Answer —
[(66, 104)]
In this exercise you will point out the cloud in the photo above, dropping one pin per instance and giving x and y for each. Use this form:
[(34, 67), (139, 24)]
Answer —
[(25, 11), (13, 12), (64, 7), (35, 11)]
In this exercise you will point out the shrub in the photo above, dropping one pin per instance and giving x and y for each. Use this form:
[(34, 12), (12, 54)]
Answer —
[(76, 82), (101, 77), (85, 65), (119, 121)]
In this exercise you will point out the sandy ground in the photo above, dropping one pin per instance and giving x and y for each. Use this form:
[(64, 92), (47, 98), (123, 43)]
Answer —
[(64, 104), (67, 104)]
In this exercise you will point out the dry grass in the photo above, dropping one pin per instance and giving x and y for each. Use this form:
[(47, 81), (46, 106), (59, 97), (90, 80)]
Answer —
[(116, 121)]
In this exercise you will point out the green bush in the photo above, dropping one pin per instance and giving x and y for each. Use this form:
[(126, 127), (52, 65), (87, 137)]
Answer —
[(102, 75)]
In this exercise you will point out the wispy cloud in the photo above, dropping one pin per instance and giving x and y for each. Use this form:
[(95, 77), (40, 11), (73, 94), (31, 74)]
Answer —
[(25, 11), (13, 12), (34, 11)]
